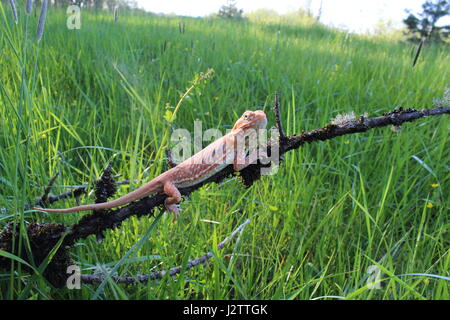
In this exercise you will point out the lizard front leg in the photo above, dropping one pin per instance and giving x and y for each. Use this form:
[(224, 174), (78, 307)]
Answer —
[(174, 197)]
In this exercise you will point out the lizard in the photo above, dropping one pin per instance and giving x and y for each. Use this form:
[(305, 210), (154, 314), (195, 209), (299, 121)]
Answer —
[(196, 169)]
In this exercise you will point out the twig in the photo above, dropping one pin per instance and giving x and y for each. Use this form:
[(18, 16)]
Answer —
[(47, 198), (157, 275), (42, 201), (74, 193), (276, 109)]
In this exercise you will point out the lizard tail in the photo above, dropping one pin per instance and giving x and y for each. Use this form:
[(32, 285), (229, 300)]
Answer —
[(139, 193), (75, 209)]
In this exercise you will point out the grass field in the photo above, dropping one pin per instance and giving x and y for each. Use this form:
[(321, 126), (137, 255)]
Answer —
[(335, 214)]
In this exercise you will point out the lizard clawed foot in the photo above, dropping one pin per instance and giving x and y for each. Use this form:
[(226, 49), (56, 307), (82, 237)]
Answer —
[(174, 197), (173, 208)]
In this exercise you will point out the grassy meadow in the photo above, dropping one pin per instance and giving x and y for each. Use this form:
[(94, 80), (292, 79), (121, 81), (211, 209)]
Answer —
[(336, 215)]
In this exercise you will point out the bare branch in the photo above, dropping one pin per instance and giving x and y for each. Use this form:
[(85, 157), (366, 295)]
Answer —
[(47, 198), (156, 275), (396, 118), (91, 224), (44, 196), (74, 193), (276, 109), (95, 224)]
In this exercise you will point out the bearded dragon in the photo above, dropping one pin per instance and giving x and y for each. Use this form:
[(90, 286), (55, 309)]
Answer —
[(215, 157)]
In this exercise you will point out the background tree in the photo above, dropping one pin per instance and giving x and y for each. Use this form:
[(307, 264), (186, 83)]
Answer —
[(230, 11), (424, 25)]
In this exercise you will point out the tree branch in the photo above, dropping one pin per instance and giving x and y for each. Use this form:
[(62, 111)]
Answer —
[(97, 222), (276, 109), (157, 275), (396, 118), (113, 218)]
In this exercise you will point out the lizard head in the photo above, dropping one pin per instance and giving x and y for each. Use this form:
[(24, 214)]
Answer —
[(251, 119)]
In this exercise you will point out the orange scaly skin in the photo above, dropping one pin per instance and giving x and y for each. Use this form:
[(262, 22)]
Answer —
[(193, 170)]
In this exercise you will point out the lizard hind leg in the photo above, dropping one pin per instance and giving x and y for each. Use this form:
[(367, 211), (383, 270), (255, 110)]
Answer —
[(174, 197)]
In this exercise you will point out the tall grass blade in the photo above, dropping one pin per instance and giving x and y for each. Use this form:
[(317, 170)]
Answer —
[(40, 28), (29, 7), (12, 3)]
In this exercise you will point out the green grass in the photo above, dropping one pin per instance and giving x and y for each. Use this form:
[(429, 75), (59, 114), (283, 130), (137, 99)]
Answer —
[(334, 209)]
